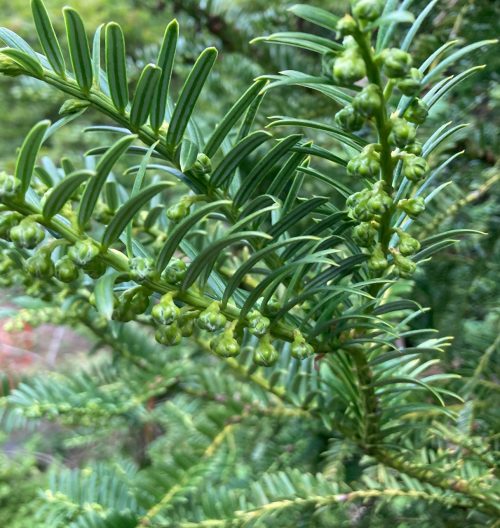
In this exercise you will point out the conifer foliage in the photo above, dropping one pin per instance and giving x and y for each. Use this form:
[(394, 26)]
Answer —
[(254, 305)]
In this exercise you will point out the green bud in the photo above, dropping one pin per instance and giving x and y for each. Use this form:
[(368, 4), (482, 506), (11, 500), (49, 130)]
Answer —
[(364, 234), (211, 319), (349, 67), (166, 311), (414, 148), (412, 206), (175, 271), (9, 185), (369, 101), (202, 165), (411, 84), (28, 234), (265, 354), (366, 164), (179, 210), (73, 106), (40, 265), (349, 119), (347, 25), (10, 67), (414, 167), (186, 324), (367, 9), (225, 345), (300, 348), (405, 266), (395, 62), (407, 244), (258, 325), (273, 306), (377, 261), (168, 335), (66, 270), (379, 202), (402, 132), (131, 303), (95, 268), (417, 111), (8, 220), (142, 268), (83, 251)]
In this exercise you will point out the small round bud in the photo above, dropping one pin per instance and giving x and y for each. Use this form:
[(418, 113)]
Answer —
[(225, 345), (141, 269), (300, 348), (180, 210), (8, 220), (28, 234), (349, 119), (265, 354), (202, 165), (9, 67), (377, 262), (396, 62), (417, 111), (175, 271), (349, 67), (364, 234), (411, 84), (402, 132), (168, 335), (258, 325), (73, 106), (414, 148), (369, 101), (66, 270), (367, 9), (404, 266), (83, 252), (366, 164), (9, 185), (407, 244), (40, 265), (95, 268), (186, 324), (166, 311), (379, 203), (211, 319), (412, 206), (347, 25), (414, 167)]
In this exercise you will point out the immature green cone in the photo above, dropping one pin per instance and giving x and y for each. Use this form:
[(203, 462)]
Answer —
[(28, 234), (265, 354), (211, 319), (258, 325), (377, 261), (83, 252), (411, 84), (349, 119), (402, 132), (404, 266), (369, 101), (367, 9), (225, 345), (166, 311), (347, 25), (349, 67), (364, 234), (40, 265), (168, 335), (66, 270), (395, 62), (301, 349), (9, 185), (412, 206), (366, 164), (202, 165), (407, 244), (379, 201), (180, 210), (175, 271), (142, 269), (414, 148), (417, 111), (8, 220), (414, 167)]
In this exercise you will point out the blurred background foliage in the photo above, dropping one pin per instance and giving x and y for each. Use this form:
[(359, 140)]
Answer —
[(460, 286)]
